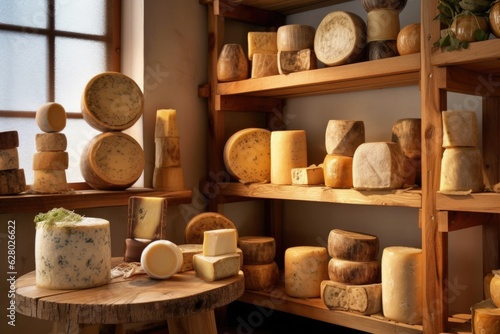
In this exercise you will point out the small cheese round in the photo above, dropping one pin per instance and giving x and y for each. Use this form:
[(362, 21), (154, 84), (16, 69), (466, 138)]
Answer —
[(232, 64), (9, 159), (9, 139), (460, 128), (352, 246), (51, 142), (50, 181), (295, 37), (288, 151), (382, 25), (247, 155), (461, 170), (257, 249), (337, 170), (408, 40), (495, 288), (354, 272), (486, 320), (305, 268), (12, 181), (205, 221), (161, 259), (51, 117), (50, 160), (261, 277), (343, 137), (112, 101)]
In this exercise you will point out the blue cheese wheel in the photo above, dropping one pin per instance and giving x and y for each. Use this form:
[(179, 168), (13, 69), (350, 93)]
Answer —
[(247, 155), (74, 255), (112, 101)]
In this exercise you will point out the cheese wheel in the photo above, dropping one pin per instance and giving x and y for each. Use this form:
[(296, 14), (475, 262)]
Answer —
[(51, 117), (294, 37), (296, 61), (402, 284), (232, 64), (382, 24), (342, 137), (382, 49), (188, 251), (305, 268), (147, 217), (262, 43), (50, 160), (166, 123), (9, 159), (51, 142), (362, 299), (461, 170), (168, 179), (73, 255), (288, 151), (167, 152), (264, 64), (213, 268), (12, 181), (161, 259), (49, 181), (220, 241), (407, 133), (352, 246), (495, 288), (257, 249), (354, 272), (378, 165), (337, 171), (312, 175), (134, 249), (485, 318), (9, 139), (460, 128), (205, 221), (486, 285), (112, 101), (261, 277), (408, 41), (247, 155), (112, 160), (340, 39)]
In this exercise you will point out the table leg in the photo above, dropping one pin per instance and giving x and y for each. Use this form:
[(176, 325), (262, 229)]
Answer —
[(200, 323), (74, 328)]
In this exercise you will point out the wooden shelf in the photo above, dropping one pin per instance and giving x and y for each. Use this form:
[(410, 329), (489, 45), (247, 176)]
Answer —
[(400, 197), (290, 6), (475, 202), (85, 198)]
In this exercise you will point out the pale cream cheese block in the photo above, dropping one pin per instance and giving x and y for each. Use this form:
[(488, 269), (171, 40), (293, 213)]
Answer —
[(51, 117), (147, 217), (352, 246), (112, 101), (51, 142), (49, 181), (342, 137), (73, 255), (354, 272), (262, 42), (264, 64), (337, 170), (461, 170), (296, 61), (288, 151), (220, 241), (305, 268), (168, 179), (294, 37), (485, 318), (112, 160), (166, 123), (205, 221), (363, 299), (9, 159), (247, 155), (213, 268), (9, 139), (257, 249), (161, 259), (402, 284), (188, 251), (50, 160), (167, 152), (12, 181), (261, 277), (460, 128), (312, 175)]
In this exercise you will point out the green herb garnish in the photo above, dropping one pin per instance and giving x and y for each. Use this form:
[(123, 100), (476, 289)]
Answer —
[(56, 215)]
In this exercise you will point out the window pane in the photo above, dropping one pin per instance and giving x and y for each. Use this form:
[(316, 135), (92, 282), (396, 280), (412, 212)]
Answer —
[(23, 71), (28, 13), (77, 61), (87, 16)]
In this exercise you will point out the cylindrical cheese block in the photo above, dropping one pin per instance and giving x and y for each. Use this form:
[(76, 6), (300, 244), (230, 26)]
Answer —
[(167, 152), (288, 150), (495, 288), (168, 179), (402, 284), (12, 181), (296, 61), (260, 277), (354, 272), (352, 246), (257, 249), (9, 159), (397, 5), (340, 39), (382, 49), (264, 64), (161, 259), (382, 25), (461, 170), (51, 181), (232, 64), (205, 221), (343, 137), (337, 170), (166, 123), (51, 142), (51, 117), (9, 139), (460, 128), (295, 37), (50, 160), (485, 318), (408, 40), (305, 268)]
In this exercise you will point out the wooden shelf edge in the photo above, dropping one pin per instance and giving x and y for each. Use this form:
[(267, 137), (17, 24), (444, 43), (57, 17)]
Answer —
[(83, 199), (477, 52), (487, 202)]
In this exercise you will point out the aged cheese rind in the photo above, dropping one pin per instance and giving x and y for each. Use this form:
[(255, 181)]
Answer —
[(213, 268), (485, 318), (49, 181), (205, 221), (352, 246), (188, 251), (261, 277), (167, 152), (296, 61), (354, 272), (382, 24), (232, 64), (168, 179), (257, 249), (461, 170), (294, 37), (12, 181), (495, 288), (363, 299), (312, 175), (460, 128), (9, 139), (51, 142), (161, 259), (382, 49), (147, 217), (247, 155), (220, 241), (305, 268), (262, 42), (342, 137), (50, 161), (408, 41), (73, 256), (407, 132), (337, 170), (166, 123), (264, 64), (9, 159), (288, 151), (51, 117)]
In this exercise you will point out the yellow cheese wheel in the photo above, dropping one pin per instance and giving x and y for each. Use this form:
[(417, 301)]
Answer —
[(408, 40), (9, 139), (51, 117), (51, 142), (294, 37), (461, 170), (257, 249), (354, 272), (261, 277), (305, 268), (352, 246), (161, 259), (49, 181), (12, 181), (337, 170), (50, 160), (205, 221), (9, 159), (288, 151)]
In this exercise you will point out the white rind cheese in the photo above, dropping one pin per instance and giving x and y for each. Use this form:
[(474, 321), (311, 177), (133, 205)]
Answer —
[(261, 277), (51, 142), (342, 137), (50, 161), (461, 170), (354, 272), (161, 259), (9, 159), (257, 249), (305, 268), (352, 246), (288, 151), (294, 37), (363, 299), (220, 242), (205, 221), (262, 42), (460, 128), (213, 268), (73, 256), (51, 117)]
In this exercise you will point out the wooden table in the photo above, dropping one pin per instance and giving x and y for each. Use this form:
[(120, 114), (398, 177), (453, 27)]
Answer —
[(185, 301)]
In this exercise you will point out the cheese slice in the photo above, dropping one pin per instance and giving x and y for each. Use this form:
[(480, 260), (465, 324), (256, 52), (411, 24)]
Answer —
[(51, 142), (9, 159), (168, 179), (147, 217), (51, 117), (220, 242), (337, 170), (12, 181), (262, 42), (312, 175), (294, 37), (166, 123), (247, 155), (288, 151), (461, 170), (354, 272), (205, 221), (305, 268), (342, 137), (213, 268), (296, 61), (161, 259), (264, 64), (402, 284), (363, 299), (485, 318), (50, 161), (460, 128), (167, 152), (49, 181), (257, 249), (261, 277), (9, 139), (352, 246), (188, 251)]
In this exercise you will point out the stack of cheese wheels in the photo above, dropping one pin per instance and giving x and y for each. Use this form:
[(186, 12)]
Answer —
[(260, 270), (288, 151), (111, 103), (262, 53), (407, 133), (402, 284), (168, 174), (354, 273), (461, 165), (232, 64), (342, 138), (12, 179), (295, 44), (305, 268), (485, 317), (382, 27), (51, 159)]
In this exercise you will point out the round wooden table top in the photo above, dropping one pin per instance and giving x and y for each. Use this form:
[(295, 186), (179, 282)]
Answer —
[(127, 300)]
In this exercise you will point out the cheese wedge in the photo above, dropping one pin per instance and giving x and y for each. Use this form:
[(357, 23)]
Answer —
[(213, 268), (51, 117), (219, 242), (9, 159), (288, 151), (161, 259), (312, 175), (305, 268), (51, 142), (188, 251), (363, 299), (296, 61)]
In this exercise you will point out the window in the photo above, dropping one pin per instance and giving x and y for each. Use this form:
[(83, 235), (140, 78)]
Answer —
[(49, 50)]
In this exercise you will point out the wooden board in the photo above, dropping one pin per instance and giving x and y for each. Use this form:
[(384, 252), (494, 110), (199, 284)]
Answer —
[(290, 6)]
